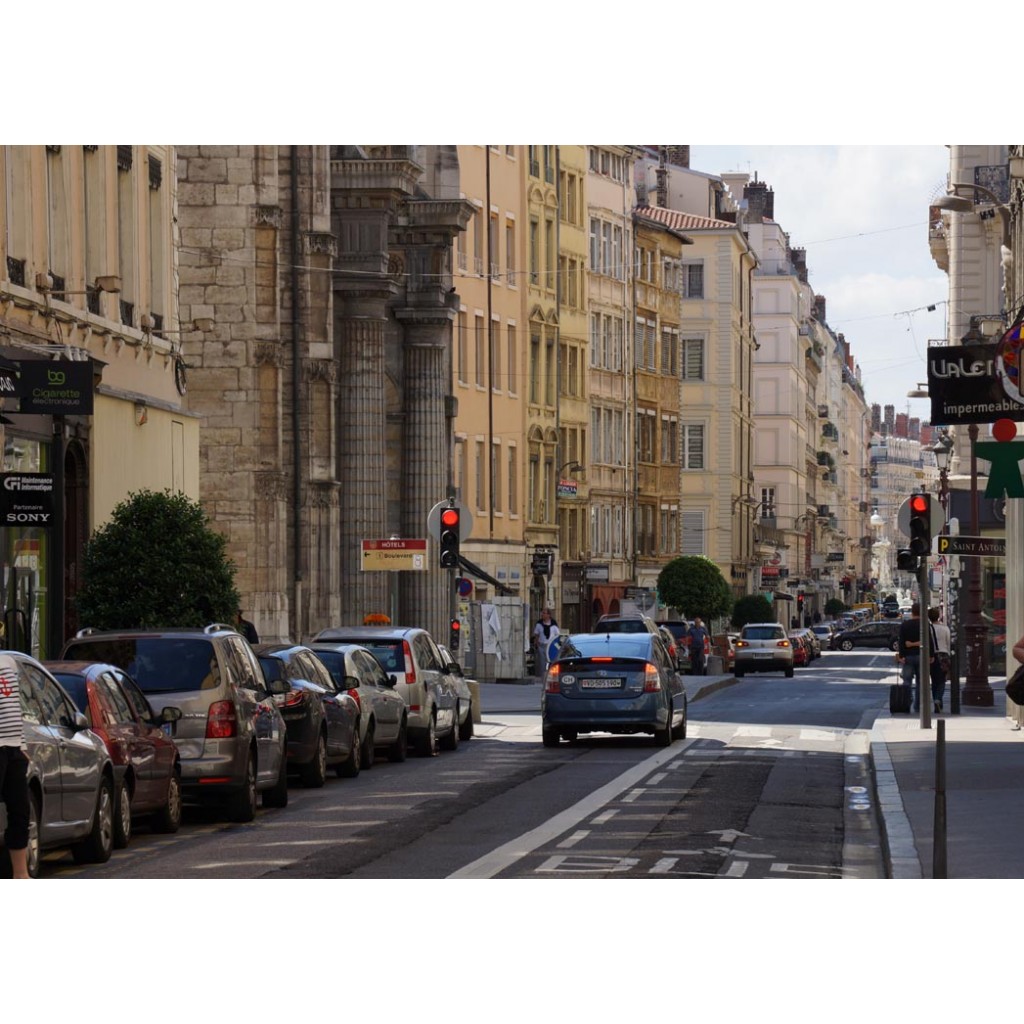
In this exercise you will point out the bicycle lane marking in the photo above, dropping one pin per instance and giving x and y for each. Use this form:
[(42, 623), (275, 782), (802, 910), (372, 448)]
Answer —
[(507, 854)]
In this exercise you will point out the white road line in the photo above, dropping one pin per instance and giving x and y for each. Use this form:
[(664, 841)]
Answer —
[(508, 853), (633, 794), (737, 869), (604, 817), (655, 779), (575, 838)]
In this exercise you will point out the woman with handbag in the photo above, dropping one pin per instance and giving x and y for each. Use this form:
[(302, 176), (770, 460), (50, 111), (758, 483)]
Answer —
[(940, 658)]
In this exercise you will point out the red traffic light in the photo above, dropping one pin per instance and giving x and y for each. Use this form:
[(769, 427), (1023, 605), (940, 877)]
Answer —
[(919, 504), (456, 625), (450, 518)]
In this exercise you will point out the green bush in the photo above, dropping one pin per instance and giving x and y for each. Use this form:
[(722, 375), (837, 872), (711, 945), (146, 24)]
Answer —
[(752, 608), (694, 585), (834, 607), (156, 564)]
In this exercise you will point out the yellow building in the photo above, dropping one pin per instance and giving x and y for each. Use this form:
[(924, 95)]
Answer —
[(88, 279), (489, 375)]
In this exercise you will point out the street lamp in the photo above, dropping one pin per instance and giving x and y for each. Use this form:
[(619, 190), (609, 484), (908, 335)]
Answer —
[(943, 452)]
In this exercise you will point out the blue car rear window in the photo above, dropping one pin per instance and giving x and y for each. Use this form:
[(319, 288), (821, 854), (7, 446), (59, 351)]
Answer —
[(615, 645), (157, 664)]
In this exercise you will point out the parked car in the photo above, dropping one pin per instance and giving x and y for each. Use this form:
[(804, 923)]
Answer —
[(613, 682), (724, 645), (891, 609), (383, 719), (763, 647), (321, 720), (884, 634), (626, 624), (813, 643), (147, 769), (70, 774), (801, 649), (824, 632), (231, 737), (680, 628), (676, 651), (458, 677), (421, 677)]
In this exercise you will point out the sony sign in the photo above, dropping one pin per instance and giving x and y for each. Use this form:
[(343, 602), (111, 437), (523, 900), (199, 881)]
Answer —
[(26, 499)]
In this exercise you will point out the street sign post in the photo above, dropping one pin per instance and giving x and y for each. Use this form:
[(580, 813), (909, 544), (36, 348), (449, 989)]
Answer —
[(976, 547), (394, 555)]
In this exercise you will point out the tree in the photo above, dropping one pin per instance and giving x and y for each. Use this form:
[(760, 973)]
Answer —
[(694, 585), (156, 564), (752, 608), (834, 607)]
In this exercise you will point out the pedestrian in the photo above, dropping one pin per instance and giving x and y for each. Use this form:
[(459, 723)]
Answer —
[(909, 653), (13, 769), (246, 628), (941, 660), (696, 635), (817, 617), (544, 632)]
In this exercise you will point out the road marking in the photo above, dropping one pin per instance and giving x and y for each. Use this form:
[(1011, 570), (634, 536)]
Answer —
[(575, 838), (737, 869), (588, 864), (655, 779), (603, 817), (633, 794), (508, 853)]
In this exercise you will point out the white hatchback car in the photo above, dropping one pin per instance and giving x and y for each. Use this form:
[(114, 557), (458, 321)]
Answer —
[(763, 647)]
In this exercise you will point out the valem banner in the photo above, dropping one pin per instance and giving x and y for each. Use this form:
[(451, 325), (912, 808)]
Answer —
[(975, 383)]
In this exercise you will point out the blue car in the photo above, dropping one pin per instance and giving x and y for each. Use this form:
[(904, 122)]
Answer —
[(613, 682)]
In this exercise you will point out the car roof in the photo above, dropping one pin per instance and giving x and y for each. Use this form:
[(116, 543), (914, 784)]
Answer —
[(370, 632), (88, 669), (213, 629)]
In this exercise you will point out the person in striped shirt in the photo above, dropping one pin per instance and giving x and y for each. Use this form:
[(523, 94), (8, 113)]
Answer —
[(13, 768)]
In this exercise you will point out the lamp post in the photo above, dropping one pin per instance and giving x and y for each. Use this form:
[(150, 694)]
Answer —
[(977, 692), (943, 451)]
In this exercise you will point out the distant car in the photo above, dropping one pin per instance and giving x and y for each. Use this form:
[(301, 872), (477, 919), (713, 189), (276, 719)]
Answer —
[(812, 641), (724, 645), (147, 769), (680, 629), (322, 720), (883, 634), (383, 717), (676, 651), (231, 737), (613, 682), (421, 677), (458, 677), (801, 649), (824, 632), (626, 624), (70, 774), (891, 610), (763, 647)]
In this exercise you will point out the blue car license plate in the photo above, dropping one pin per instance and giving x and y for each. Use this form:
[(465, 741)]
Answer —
[(601, 684)]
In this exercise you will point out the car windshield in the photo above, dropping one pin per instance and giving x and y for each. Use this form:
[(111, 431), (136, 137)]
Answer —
[(601, 645), (388, 652), (762, 632), (273, 668), (157, 664)]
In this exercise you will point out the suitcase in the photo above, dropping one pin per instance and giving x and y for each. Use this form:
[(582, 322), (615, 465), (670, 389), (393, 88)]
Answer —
[(899, 699)]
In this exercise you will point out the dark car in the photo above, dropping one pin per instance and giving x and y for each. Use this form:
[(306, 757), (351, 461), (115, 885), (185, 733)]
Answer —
[(147, 770), (613, 682), (884, 634), (231, 736), (321, 718)]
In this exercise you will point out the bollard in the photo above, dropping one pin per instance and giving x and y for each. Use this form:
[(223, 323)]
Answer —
[(939, 829)]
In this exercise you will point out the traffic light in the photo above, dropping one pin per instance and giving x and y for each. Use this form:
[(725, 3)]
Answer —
[(456, 629), (906, 560), (800, 601), (449, 537), (921, 524)]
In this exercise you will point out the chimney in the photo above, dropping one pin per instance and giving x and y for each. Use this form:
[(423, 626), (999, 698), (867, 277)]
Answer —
[(798, 257), (760, 200), (662, 177), (819, 308), (679, 156)]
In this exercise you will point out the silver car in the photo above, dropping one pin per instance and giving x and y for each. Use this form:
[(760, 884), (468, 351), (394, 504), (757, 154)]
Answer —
[(231, 736), (70, 775), (763, 647), (464, 692), (421, 677)]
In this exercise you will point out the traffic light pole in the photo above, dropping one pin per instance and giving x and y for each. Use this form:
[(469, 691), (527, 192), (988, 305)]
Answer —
[(924, 674)]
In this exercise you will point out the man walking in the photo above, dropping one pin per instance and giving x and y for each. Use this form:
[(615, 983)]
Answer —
[(697, 634), (941, 662), (909, 653)]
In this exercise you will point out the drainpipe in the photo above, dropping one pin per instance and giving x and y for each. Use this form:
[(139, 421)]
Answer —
[(293, 160), (490, 346)]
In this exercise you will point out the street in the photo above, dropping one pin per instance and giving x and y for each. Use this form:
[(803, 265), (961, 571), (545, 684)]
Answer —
[(772, 781)]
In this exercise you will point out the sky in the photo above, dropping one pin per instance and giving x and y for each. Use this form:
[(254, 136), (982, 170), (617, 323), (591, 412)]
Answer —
[(861, 213)]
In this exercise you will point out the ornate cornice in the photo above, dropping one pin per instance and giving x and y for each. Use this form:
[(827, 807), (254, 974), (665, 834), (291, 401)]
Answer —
[(267, 354), (323, 369), (320, 242), (270, 486), (269, 216), (324, 493)]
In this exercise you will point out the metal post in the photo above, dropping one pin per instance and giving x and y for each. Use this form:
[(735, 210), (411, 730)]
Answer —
[(939, 829), (977, 692), (924, 675)]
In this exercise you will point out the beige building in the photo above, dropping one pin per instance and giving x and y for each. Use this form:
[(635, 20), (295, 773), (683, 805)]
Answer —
[(88, 277)]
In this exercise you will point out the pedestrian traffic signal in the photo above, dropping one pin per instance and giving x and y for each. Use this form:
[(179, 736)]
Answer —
[(456, 629), (920, 524), (449, 537), (800, 601), (906, 560)]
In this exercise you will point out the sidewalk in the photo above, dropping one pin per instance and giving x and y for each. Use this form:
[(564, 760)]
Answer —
[(984, 790)]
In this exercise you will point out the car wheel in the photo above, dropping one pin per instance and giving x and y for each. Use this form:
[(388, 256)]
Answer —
[(570, 735), (168, 818), (314, 774), (450, 741), (97, 848), (352, 765), (549, 736), (400, 748), (846, 645), (466, 729), (241, 806), (123, 816), (663, 737), (32, 854), (426, 745), (277, 795), (789, 672), (679, 733), (369, 754)]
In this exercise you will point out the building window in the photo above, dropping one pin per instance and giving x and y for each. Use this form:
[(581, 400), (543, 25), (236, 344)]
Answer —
[(478, 242), (460, 349), (513, 384), (693, 280), (550, 255), (492, 245), (534, 251), (693, 445), (510, 252), (693, 533), (618, 270), (495, 352), (595, 246), (646, 428), (126, 250), (693, 359), (670, 351), (459, 469), (496, 475), (157, 241), (767, 510), (549, 369), (513, 480), (669, 532), (669, 439), (535, 367), (480, 476), (478, 349)]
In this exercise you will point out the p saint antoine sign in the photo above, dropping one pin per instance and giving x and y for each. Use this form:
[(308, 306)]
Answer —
[(976, 383)]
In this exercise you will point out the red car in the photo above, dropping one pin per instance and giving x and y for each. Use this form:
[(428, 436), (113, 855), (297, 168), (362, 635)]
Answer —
[(801, 649), (146, 764)]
